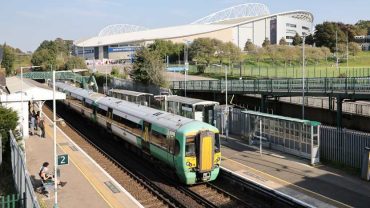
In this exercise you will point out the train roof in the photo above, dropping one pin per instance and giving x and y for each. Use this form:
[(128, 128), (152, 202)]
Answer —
[(129, 92), (79, 91), (151, 115), (190, 101)]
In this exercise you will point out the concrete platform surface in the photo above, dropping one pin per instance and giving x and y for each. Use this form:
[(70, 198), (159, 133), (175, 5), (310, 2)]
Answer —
[(86, 180), (319, 186)]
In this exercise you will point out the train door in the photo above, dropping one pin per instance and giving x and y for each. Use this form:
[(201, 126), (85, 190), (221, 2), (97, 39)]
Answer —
[(205, 153), (208, 114), (110, 118), (146, 136), (172, 149)]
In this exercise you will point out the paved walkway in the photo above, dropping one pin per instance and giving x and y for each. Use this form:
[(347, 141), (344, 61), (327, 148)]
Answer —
[(87, 183), (320, 186)]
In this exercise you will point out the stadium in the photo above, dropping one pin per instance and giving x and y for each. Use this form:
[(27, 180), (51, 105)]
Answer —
[(236, 24)]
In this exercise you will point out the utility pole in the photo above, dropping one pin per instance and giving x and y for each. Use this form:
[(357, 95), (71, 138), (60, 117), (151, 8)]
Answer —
[(55, 146), (303, 74), (336, 49), (347, 50), (186, 64), (226, 107)]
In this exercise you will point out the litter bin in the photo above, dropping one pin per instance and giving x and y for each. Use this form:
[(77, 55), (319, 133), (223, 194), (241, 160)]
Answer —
[(365, 170)]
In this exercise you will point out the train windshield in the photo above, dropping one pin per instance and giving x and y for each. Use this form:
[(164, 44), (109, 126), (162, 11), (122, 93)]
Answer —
[(217, 143), (190, 146)]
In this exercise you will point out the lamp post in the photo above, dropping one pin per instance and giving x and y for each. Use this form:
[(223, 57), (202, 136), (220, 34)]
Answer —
[(304, 71), (303, 74), (55, 146), (186, 63), (226, 107)]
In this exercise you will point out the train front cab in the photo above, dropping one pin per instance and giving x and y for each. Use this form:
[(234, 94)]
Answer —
[(202, 156)]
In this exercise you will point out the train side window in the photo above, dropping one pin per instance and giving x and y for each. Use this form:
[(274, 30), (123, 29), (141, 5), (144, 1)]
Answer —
[(190, 146), (217, 143), (158, 139)]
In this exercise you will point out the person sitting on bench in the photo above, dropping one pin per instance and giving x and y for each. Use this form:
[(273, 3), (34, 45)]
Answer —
[(46, 177)]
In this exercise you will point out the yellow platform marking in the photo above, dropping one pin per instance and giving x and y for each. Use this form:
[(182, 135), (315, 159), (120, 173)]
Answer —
[(288, 183), (94, 185)]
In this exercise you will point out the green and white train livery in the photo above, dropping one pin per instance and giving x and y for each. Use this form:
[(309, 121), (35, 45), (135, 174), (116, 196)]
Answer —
[(191, 148)]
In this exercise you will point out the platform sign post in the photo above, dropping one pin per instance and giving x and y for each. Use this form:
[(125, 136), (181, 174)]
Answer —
[(63, 159)]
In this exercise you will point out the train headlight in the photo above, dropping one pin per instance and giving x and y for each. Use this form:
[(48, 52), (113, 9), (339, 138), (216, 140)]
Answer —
[(188, 164)]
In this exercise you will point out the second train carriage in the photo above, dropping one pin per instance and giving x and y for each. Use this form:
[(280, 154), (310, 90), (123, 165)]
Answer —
[(191, 148), (200, 110), (140, 98)]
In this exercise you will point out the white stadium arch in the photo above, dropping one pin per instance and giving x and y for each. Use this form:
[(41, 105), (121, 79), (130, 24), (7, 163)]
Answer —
[(235, 12), (119, 29)]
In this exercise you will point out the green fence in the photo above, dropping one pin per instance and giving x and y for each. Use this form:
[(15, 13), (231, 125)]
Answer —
[(10, 201), (285, 72)]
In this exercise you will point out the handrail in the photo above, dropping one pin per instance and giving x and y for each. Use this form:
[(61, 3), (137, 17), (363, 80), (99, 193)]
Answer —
[(357, 85)]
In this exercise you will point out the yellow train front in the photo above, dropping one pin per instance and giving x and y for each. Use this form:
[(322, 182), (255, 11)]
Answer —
[(200, 156)]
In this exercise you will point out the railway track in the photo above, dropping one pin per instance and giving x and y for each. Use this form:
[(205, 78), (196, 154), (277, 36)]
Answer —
[(147, 193), (152, 187)]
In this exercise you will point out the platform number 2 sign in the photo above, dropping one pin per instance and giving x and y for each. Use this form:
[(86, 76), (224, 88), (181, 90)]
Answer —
[(63, 159)]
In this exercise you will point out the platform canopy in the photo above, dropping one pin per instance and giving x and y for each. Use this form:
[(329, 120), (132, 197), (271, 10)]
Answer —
[(32, 90)]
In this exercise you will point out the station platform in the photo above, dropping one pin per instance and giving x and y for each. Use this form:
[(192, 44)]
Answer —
[(319, 186), (88, 185)]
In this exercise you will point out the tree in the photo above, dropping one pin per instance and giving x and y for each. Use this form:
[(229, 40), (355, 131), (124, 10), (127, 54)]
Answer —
[(325, 35), (43, 58), (310, 40), (297, 40), (8, 121), (363, 27), (229, 51), (266, 43), (53, 53), (249, 46), (148, 68), (326, 52), (75, 63), (8, 59), (283, 41), (354, 48), (203, 50)]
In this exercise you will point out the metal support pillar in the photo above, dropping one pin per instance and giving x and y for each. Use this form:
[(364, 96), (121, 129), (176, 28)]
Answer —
[(339, 112), (330, 103), (263, 107)]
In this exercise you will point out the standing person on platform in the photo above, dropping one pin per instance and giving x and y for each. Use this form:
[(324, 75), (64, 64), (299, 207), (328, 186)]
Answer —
[(33, 120), (42, 128), (37, 120)]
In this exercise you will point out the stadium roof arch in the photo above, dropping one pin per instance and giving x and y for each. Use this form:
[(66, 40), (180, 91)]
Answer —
[(224, 19), (235, 12)]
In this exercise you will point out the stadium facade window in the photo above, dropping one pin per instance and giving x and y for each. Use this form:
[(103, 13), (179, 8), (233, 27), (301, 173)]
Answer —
[(291, 25), (291, 31), (305, 28)]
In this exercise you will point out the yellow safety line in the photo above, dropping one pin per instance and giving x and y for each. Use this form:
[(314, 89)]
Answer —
[(87, 178), (304, 189)]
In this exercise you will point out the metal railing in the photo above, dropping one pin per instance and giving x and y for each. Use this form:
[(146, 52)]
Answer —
[(21, 177), (358, 108), (281, 87), (10, 201), (343, 146)]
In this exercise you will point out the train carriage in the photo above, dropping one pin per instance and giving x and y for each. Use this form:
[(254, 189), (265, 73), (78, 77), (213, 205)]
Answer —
[(191, 148)]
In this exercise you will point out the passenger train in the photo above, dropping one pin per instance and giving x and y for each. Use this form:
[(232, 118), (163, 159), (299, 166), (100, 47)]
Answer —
[(190, 148)]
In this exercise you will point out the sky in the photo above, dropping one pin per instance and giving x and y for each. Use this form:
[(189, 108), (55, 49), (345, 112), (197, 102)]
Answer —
[(26, 23)]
